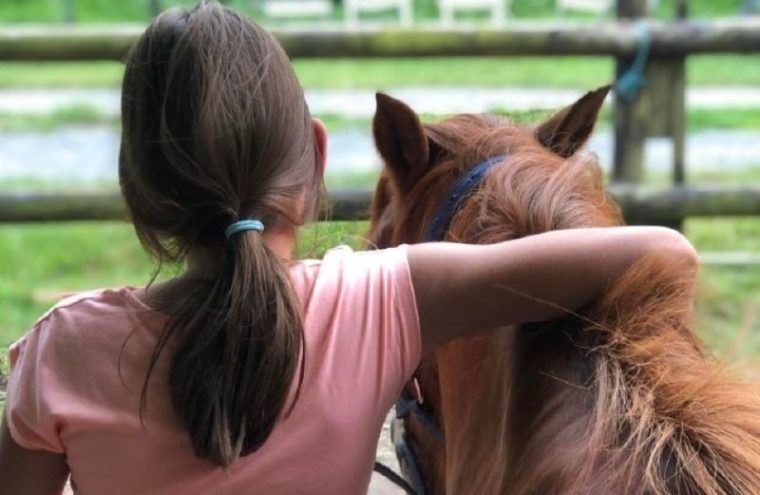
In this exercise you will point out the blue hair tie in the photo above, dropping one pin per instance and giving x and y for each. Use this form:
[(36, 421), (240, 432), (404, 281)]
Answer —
[(243, 226)]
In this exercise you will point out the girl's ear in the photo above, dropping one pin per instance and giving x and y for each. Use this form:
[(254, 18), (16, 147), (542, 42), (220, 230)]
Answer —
[(320, 136), (570, 128), (400, 139)]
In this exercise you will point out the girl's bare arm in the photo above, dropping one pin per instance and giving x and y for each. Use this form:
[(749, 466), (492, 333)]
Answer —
[(462, 288), (29, 472)]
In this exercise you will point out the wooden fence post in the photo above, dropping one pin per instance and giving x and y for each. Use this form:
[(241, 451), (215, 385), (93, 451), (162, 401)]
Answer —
[(631, 116), (682, 9), (677, 96), (659, 109)]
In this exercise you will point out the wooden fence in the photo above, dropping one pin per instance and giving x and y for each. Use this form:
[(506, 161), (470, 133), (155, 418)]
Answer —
[(603, 38), (639, 205), (657, 109)]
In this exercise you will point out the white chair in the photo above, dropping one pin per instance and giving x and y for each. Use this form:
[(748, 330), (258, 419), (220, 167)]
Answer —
[(498, 8), (599, 7), (354, 8), (286, 9), (596, 6)]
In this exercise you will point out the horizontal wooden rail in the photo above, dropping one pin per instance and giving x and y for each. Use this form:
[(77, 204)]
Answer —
[(671, 206), (639, 205), (729, 258), (36, 43)]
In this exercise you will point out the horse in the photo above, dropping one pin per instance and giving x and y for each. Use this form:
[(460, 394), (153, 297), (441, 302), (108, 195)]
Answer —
[(619, 397)]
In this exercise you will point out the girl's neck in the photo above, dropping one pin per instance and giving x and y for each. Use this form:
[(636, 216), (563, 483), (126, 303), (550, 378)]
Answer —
[(281, 240), (162, 296)]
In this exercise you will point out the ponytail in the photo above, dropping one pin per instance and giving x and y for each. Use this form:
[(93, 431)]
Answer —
[(215, 128), (237, 349)]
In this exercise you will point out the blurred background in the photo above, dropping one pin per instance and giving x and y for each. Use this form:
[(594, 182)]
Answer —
[(59, 134)]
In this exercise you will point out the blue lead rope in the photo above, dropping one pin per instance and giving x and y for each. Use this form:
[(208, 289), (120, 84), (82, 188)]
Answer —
[(632, 80), (461, 189)]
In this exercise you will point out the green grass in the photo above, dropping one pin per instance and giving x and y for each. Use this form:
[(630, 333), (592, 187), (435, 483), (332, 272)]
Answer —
[(33, 75), (63, 185), (559, 72), (90, 115), (85, 11), (45, 259), (352, 179), (3, 373), (716, 234), (137, 10), (745, 176), (729, 297), (697, 119), (727, 313), (80, 114)]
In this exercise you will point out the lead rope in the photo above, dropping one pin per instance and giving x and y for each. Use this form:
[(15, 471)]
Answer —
[(394, 478), (406, 405), (632, 80)]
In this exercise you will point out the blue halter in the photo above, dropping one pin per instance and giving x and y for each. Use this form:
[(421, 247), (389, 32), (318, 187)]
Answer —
[(461, 189)]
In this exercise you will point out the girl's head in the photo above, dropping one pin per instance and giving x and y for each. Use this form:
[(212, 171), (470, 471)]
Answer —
[(216, 129)]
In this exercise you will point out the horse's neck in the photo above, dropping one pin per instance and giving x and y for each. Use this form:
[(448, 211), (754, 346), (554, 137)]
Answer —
[(549, 410), (515, 411), (475, 378), (551, 407)]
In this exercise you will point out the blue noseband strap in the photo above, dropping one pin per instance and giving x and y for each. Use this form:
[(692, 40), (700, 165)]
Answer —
[(461, 189)]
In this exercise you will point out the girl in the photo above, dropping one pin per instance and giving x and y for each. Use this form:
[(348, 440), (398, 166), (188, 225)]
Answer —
[(250, 372)]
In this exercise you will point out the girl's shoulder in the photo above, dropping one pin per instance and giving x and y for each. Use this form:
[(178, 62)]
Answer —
[(343, 267), (87, 314), (343, 255), (95, 304), (73, 361), (86, 301), (359, 313)]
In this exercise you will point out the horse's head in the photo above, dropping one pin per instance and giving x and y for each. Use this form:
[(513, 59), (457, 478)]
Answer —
[(619, 400), (544, 183)]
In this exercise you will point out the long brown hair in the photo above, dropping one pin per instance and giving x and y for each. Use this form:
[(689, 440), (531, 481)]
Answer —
[(216, 129)]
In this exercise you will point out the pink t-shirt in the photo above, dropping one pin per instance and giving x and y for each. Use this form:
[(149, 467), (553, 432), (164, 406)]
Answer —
[(76, 379)]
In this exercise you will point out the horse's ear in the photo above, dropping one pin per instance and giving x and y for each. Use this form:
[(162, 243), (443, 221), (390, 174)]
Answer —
[(400, 139), (570, 128)]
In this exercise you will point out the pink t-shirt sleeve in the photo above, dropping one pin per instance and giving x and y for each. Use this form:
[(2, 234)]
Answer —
[(32, 392), (361, 314)]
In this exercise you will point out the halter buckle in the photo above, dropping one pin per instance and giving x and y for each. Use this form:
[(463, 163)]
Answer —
[(417, 391)]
